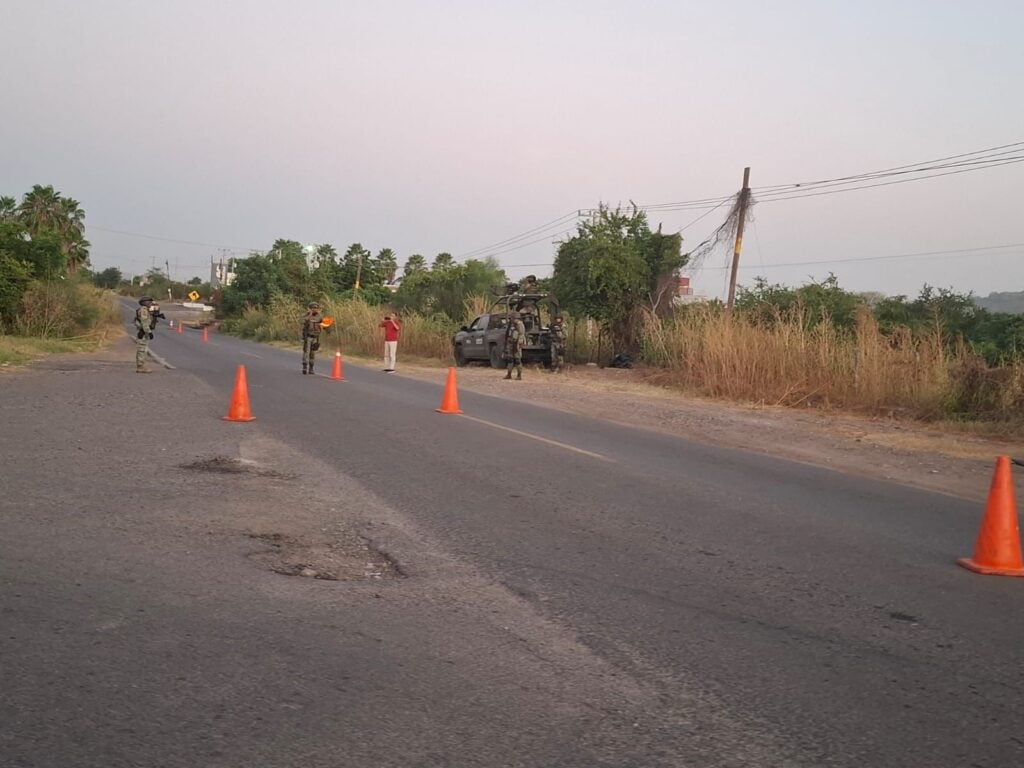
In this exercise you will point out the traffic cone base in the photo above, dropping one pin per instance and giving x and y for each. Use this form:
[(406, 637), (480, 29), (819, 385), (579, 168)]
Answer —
[(998, 551), (336, 373), (239, 408), (450, 399), (206, 334), (970, 565), (180, 327)]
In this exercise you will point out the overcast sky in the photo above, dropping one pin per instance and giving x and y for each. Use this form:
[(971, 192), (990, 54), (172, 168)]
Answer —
[(449, 126)]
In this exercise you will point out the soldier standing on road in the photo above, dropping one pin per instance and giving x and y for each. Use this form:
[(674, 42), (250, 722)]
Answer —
[(144, 323), (558, 338), (515, 337), (311, 336)]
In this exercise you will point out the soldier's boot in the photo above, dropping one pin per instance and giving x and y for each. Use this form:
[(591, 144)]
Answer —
[(519, 373), (304, 369), (142, 369), (310, 367), (508, 373)]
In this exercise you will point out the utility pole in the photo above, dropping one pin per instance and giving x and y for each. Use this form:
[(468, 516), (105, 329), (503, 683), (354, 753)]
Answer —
[(744, 199), (359, 269)]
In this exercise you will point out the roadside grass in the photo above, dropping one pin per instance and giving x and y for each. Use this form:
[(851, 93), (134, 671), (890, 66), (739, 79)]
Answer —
[(791, 361), (59, 318), (18, 350), (355, 328)]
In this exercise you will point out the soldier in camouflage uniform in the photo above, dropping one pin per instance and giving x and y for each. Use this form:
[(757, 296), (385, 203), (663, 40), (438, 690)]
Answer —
[(143, 333), (515, 338), (529, 285), (145, 322), (558, 338), (311, 336), (527, 307)]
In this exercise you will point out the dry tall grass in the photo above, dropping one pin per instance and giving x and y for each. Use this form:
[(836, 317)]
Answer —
[(795, 363), (356, 328), (788, 362), (65, 309)]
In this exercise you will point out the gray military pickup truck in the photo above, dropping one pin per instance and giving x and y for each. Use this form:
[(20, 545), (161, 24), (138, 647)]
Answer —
[(484, 338)]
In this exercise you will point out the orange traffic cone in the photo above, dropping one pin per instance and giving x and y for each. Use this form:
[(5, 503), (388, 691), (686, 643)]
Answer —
[(206, 334), (336, 372), (180, 325), (997, 552), (239, 408), (450, 399)]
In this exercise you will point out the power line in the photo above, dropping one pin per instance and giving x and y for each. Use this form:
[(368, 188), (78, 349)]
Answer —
[(978, 164), (896, 168), (919, 254), (886, 183), (560, 222), (707, 213), (170, 239)]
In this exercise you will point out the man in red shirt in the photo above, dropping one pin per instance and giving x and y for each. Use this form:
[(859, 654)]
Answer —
[(391, 328)]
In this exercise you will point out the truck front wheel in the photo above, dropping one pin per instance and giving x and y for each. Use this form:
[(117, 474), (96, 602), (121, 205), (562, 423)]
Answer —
[(497, 357)]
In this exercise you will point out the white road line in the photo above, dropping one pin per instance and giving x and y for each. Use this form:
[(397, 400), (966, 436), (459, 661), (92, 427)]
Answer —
[(555, 443), (250, 354)]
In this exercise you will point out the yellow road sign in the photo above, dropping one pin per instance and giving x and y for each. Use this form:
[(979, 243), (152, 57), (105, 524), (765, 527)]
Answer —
[(193, 295)]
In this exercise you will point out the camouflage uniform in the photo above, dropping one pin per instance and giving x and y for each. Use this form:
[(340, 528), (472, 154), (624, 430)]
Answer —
[(515, 338), (310, 337), (558, 338), (144, 324), (529, 285)]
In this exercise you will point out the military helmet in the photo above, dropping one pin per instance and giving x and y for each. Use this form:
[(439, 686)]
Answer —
[(531, 278), (145, 300), (314, 305)]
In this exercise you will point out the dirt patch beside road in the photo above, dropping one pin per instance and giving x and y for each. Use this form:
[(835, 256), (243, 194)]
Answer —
[(915, 454)]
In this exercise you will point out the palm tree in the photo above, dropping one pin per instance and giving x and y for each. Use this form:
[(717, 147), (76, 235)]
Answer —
[(40, 209), (71, 229), (415, 263), (443, 260), (8, 209), (387, 264)]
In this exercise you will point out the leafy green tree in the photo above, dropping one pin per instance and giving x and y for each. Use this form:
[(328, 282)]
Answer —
[(257, 279), (823, 301), (445, 291), (15, 276), (615, 266), (110, 277), (355, 263)]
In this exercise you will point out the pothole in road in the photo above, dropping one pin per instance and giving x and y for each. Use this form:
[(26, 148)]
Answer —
[(223, 465), (356, 560)]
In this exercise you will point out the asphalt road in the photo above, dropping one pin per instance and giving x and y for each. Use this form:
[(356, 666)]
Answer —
[(576, 593)]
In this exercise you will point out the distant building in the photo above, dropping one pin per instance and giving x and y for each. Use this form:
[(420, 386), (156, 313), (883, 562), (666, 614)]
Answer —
[(684, 293), (221, 273)]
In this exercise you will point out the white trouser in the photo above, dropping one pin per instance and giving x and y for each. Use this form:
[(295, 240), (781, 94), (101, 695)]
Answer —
[(390, 354)]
